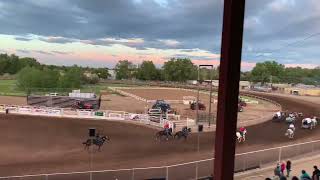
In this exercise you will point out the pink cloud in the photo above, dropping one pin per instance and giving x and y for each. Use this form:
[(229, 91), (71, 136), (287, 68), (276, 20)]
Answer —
[(206, 62), (308, 66)]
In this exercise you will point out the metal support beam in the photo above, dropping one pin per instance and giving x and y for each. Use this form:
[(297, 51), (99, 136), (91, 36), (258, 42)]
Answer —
[(231, 48)]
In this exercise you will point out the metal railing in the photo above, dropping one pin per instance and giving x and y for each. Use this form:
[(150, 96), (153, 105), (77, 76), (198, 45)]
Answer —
[(188, 170)]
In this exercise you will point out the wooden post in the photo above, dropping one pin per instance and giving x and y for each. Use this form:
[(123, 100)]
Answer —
[(231, 49)]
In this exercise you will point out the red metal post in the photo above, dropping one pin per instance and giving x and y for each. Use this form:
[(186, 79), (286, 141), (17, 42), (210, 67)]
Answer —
[(231, 48)]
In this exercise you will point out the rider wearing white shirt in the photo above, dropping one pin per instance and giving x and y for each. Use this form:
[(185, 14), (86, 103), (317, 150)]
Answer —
[(291, 126)]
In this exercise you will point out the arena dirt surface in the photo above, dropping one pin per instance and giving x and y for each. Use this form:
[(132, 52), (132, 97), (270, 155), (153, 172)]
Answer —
[(251, 111), (32, 145), (13, 100)]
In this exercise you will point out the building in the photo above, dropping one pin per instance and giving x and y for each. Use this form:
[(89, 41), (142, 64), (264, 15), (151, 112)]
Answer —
[(303, 90), (112, 73)]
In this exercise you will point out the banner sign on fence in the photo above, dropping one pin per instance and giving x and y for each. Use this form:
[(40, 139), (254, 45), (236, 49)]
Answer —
[(24, 109), (54, 112), (84, 113)]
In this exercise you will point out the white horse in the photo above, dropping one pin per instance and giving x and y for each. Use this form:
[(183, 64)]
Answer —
[(291, 126), (314, 123), (241, 138), (289, 133), (309, 123)]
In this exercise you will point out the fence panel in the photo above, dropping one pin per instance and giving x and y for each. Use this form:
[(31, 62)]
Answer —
[(113, 175), (79, 176), (26, 178), (191, 170), (289, 152), (149, 173), (252, 161), (182, 172), (205, 168), (316, 146)]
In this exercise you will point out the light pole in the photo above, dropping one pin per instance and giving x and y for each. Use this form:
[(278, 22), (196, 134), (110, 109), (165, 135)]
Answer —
[(210, 94), (197, 112), (197, 106)]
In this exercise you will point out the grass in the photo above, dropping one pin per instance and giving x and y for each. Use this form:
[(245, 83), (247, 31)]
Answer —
[(9, 88)]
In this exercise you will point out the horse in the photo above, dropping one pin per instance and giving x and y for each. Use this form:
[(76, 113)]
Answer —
[(314, 123), (289, 133), (241, 138), (279, 116), (98, 141), (162, 133), (309, 123), (184, 133)]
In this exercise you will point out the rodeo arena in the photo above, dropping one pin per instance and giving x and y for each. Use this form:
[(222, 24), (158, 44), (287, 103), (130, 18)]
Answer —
[(162, 131), (157, 132)]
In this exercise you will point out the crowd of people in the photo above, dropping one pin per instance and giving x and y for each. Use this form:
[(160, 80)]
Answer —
[(282, 172)]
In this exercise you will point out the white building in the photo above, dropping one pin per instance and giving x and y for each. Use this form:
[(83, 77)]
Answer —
[(112, 73)]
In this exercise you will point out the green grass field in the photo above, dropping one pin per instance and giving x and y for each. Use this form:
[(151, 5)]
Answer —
[(9, 88)]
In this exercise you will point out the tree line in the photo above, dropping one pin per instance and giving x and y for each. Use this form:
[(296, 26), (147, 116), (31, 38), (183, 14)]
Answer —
[(32, 74), (273, 72), (183, 69), (179, 70)]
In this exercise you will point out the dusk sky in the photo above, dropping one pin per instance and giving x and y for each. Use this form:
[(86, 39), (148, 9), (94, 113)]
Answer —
[(98, 33)]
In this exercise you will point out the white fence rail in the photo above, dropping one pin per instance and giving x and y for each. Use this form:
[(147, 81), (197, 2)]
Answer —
[(192, 170)]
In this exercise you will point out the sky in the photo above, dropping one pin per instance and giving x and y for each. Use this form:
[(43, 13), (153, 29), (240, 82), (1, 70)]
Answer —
[(99, 33)]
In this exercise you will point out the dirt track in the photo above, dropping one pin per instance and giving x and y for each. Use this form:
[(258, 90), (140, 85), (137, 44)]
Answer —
[(32, 145)]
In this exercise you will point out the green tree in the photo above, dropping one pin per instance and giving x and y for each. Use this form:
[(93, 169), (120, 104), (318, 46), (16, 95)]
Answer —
[(268, 71), (72, 78), (91, 79), (208, 73), (179, 70), (148, 71), (31, 78), (102, 73), (28, 78), (124, 70)]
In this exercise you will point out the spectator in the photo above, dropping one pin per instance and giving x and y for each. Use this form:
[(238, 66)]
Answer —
[(295, 178), (277, 171), (316, 173), (283, 167), (304, 175), (288, 167), (283, 178)]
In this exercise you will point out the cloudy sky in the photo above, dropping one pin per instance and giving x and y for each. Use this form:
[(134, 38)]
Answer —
[(100, 32)]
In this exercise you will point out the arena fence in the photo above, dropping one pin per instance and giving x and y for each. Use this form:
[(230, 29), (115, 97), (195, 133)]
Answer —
[(88, 114), (190, 170)]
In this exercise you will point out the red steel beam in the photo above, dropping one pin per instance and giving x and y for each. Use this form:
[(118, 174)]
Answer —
[(231, 48)]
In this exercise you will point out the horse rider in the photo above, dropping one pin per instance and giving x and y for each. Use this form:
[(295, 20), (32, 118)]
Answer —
[(291, 115), (166, 128), (291, 126), (98, 137), (278, 114), (185, 129), (242, 130)]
